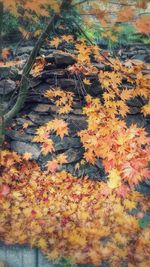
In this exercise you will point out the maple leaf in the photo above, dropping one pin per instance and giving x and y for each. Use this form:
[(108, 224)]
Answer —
[(27, 156), (52, 166), (87, 82), (25, 125), (129, 204), (125, 14), (60, 127), (126, 94), (114, 179), (76, 239), (61, 159), (47, 147), (56, 41), (5, 53), (67, 38), (5, 190), (143, 24), (146, 109)]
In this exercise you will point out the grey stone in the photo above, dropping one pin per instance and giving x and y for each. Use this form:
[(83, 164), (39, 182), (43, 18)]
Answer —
[(42, 108), (136, 119), (31, 130), (64, 83), (139, 57), (64, 59), (6, 72), (21, 121), (22, 147), (74, 155), (39, 119), (76, 123), (50, 58), (23, 56), (19, 136), (34, 82), (7, 86), (66, 143), (53, 73), (94, 172), (143, 188), (24, 50), (135, 102), (134, 110), (41, 88)]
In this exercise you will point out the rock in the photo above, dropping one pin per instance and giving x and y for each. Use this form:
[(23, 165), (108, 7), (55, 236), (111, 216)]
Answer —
[(34, 82), (147, 59), (74, 155), (66, 143), (21, 121), (64, 59), (4, 72), (7, 86), (39, 119), (91, 171), (18, 136), (134, 110), (22, 147), (31, 130), (136, 102), (136, 119), (147, 182), (65, 83), (42, 108), (36, 94), (76, 123), (24, 50), (54, 73), (50, 58), (23, 57), (139, 57), (143, 188)]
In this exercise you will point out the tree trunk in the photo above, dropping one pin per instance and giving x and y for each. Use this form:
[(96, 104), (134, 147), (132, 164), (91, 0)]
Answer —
[(25, 75)]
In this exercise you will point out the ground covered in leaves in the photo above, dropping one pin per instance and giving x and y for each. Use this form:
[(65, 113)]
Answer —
[(77, 218)]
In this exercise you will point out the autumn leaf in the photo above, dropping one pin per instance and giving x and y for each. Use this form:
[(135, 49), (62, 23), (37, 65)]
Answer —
[(56, 41), (114, 179), (87, 82), (143, 24), (5, 190), (25, 125), (47, 147), (125, 14), (52, 166), (5, 53), (146, 109), (27, 156)]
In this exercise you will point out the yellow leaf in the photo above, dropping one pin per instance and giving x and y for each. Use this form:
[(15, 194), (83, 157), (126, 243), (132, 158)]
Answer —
[(87, 82), (114, 179)]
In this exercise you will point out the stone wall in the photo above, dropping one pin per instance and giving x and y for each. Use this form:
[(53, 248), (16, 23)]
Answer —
[(39, 110)]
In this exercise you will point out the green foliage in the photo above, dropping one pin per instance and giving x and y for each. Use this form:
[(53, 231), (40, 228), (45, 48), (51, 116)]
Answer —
[(10, 24)]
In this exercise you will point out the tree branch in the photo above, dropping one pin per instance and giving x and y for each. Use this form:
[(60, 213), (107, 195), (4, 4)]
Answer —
[(26, 71)]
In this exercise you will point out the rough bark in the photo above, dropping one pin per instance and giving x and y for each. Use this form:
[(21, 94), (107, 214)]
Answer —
[(25, 81)]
